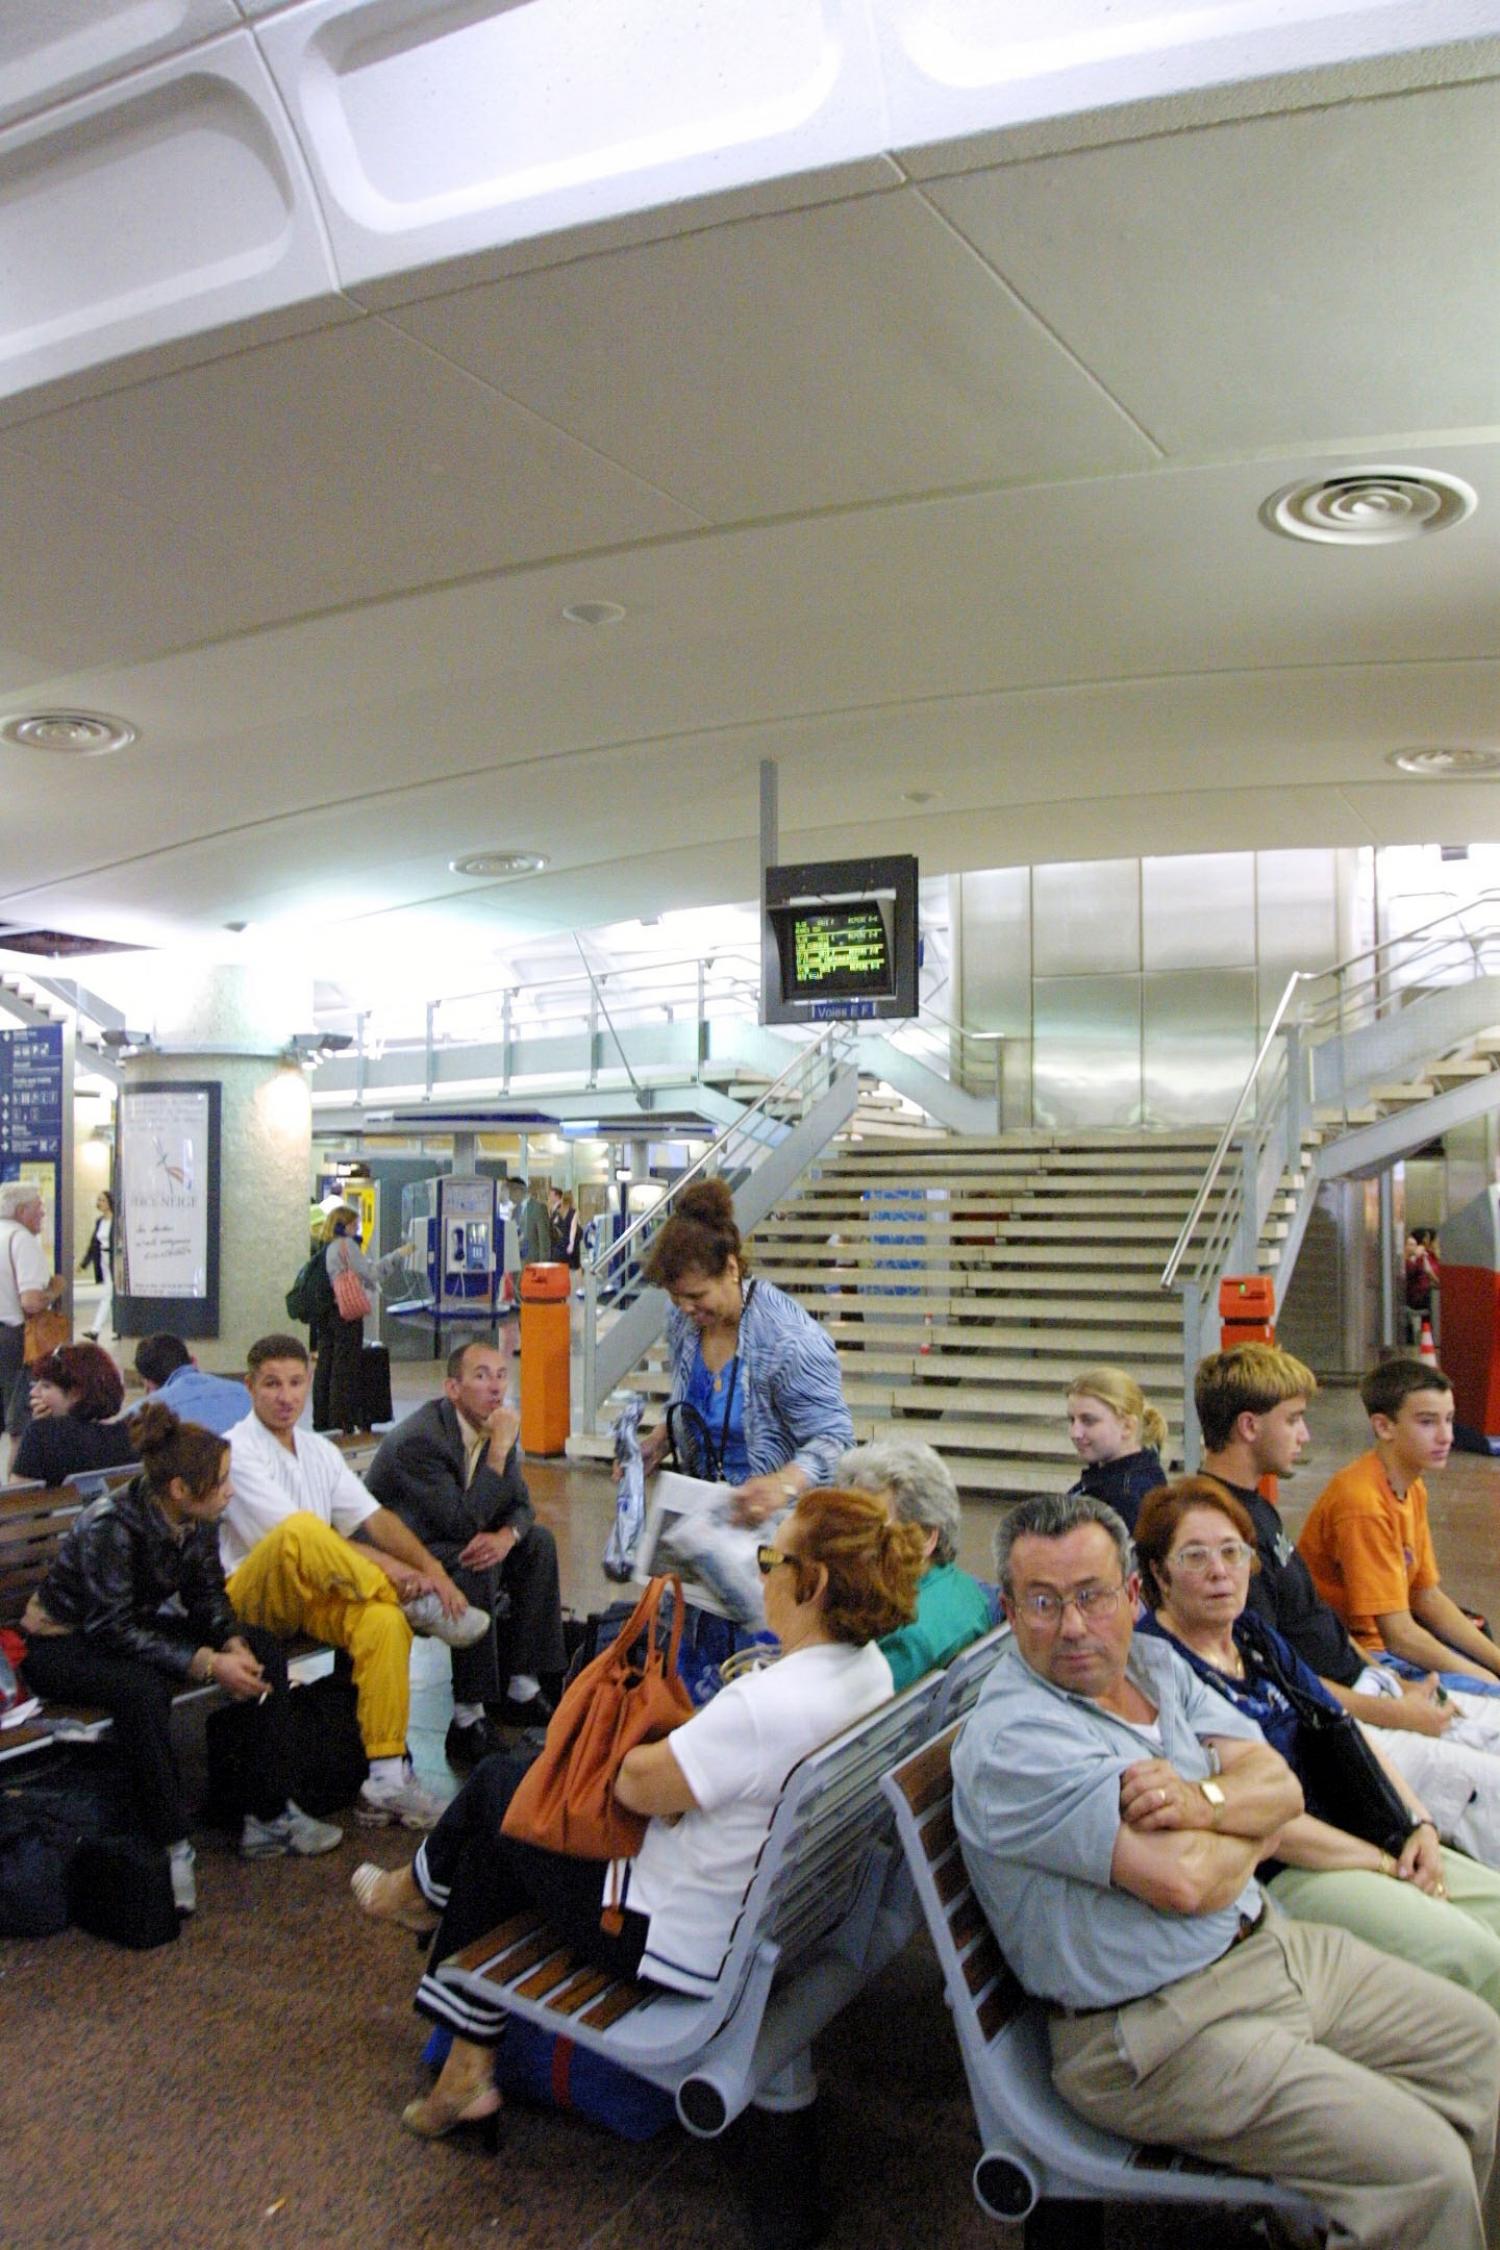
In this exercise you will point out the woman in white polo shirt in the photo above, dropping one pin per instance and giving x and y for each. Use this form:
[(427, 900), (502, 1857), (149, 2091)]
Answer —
[(840, 1575)]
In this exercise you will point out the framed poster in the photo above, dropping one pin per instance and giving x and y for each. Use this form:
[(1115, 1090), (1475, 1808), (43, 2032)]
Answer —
[(167, 1256)]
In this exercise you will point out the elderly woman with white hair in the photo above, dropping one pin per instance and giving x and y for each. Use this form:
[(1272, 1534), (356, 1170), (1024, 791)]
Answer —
[(952, 1608)]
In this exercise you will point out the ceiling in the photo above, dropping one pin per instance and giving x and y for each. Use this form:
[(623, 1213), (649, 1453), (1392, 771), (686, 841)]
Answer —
[(949, 484)]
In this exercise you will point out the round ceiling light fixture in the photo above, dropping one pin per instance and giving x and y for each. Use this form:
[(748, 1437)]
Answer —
[(499, 863), (70, 734), (1369, 507), (594, 613), (1445, 762)]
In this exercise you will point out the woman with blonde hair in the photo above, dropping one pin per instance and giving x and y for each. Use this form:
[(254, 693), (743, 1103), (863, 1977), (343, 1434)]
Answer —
[(1117, 1435), (839, 1576)]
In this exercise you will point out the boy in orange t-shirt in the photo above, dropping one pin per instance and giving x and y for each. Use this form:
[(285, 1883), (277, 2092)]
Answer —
[(1367, 1543)]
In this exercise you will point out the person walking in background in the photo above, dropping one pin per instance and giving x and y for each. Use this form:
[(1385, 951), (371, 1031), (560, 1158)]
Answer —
[(27, 1285), (353, 1279), (533, 1227), (98, 1259)]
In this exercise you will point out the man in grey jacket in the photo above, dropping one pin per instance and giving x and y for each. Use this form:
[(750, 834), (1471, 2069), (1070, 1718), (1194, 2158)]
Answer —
[(452, 1473)]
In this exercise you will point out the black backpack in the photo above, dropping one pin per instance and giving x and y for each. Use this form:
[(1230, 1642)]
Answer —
[(311, 1293)]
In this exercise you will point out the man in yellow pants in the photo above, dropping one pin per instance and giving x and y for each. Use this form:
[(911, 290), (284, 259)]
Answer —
[(306, 1549)]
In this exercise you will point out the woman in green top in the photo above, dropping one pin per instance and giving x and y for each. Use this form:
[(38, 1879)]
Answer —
[(952, 1608)]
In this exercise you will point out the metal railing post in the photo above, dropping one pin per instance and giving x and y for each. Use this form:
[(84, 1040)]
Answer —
[(432, 1009), (590, 1368), (1296, 1096), (359, 1059), (593, 1078), (1192, 1341), (505, 1037), (1247, 1243)]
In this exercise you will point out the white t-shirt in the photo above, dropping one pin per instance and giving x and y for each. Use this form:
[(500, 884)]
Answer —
[(691, 1875), (271, 1483), (24, 1264)]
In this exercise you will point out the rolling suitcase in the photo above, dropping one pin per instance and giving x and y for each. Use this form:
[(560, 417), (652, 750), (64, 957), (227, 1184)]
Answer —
[(374, 1386)]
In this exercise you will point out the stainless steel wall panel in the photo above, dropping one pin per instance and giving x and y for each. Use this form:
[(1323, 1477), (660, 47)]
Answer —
[(1086, 917), (1197, 1043), (1297, 910), (992, 950), (1087, 1051), (1198, 911)]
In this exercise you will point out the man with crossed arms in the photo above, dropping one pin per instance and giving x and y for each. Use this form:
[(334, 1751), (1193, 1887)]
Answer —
[(1112, 1811)]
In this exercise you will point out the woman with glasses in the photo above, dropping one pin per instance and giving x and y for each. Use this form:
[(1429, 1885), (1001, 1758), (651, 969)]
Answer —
[(1116, 1435), (838, 1575), (1409, 1896)]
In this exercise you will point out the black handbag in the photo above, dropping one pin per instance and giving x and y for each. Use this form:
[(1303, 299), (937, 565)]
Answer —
[(327, 1757), (120, 1887), (1343, 1781)]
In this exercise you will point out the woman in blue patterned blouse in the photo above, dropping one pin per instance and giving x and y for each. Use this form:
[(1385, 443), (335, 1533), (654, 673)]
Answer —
[(760, 1372)]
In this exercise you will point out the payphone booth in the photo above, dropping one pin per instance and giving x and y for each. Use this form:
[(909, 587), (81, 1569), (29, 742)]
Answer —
[(1469, 1263), (452, 1220)]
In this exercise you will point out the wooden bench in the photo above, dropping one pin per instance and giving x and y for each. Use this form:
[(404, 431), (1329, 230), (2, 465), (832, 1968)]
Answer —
[(1037, 2156), (827, 1908)]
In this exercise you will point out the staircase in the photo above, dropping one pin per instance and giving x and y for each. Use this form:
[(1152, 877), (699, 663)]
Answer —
[(964, 1281)]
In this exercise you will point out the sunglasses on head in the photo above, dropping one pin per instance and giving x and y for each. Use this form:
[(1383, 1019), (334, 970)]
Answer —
[(767, 1558)]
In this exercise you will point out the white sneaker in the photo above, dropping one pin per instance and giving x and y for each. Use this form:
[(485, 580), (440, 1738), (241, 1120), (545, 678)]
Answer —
[(183, 1860), (292, 1832), (424, 1613), (397, 1804)]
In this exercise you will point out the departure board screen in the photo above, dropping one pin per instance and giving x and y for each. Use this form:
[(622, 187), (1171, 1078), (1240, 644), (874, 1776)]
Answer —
[(835, 952)]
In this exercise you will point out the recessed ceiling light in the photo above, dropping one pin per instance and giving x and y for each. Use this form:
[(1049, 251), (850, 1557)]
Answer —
[(593, 613), (72, 734), (499, 863), (1445, 762), (1369, 507)]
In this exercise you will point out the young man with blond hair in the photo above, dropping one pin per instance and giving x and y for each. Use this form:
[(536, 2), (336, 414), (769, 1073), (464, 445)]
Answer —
[(1252, 1408), (1367, 1542)]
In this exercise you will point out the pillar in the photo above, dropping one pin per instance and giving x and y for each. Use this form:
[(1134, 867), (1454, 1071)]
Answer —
[(231, 1023)]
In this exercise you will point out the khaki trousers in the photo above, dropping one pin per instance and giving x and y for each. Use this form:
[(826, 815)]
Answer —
[(1304, 2055), (305, 1577)]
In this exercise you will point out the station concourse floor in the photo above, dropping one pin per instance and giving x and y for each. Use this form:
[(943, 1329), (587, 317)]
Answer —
[(242, 2088)]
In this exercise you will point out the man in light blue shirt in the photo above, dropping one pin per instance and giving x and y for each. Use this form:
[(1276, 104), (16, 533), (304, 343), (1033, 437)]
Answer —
[(1112, 1819), (169, 1372)]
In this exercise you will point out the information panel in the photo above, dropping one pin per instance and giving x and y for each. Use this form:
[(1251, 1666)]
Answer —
[(32, 1117), (832, 952), (169, 1208)]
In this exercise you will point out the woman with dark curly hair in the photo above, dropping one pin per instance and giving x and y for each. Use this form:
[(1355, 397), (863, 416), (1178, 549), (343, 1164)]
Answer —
[(76, 1392), (840, 1575), (762, 1376)]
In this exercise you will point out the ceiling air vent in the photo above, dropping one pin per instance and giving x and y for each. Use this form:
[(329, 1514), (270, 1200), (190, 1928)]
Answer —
[(1369, 507), (72, 734), (1445, 762), (499, 863)]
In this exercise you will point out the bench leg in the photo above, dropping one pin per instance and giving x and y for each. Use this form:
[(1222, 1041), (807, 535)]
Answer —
[(772, 2158)]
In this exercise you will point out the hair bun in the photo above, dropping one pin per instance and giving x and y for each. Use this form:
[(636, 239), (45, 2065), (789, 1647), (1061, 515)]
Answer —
[(711, 1204), (151, 1427)]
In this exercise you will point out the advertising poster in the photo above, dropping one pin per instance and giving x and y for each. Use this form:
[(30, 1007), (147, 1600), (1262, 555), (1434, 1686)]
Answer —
[(169, 1196)]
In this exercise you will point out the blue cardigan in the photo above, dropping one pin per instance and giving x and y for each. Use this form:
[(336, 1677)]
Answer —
[(795, 1414)]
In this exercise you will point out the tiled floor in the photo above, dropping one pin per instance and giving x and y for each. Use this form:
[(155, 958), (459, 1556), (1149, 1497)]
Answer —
[(242, 2087)]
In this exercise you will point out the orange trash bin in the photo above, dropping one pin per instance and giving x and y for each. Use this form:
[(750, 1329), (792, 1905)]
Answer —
[(546, 1403)]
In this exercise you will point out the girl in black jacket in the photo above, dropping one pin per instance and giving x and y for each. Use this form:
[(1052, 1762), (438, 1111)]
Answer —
[(95, 1633), (1115, 1434)]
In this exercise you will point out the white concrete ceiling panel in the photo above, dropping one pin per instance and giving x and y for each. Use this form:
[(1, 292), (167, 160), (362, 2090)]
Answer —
[(310, 473), (55, 48), (1277, 281), (437, 131), (143, 212), (952, 67), (765, 333)]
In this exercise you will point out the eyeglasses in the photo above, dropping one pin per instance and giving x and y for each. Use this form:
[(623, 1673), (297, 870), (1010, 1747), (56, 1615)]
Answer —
[(766, 1559), (1232, 1553), (1045, 1608)]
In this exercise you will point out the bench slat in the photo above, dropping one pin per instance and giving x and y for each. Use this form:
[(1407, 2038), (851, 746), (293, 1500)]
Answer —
[(495, 1942), (615, 2004)]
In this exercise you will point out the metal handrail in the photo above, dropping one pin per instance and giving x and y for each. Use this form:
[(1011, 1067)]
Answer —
[(1383, 945), (1236, 1119), (827, 1044)]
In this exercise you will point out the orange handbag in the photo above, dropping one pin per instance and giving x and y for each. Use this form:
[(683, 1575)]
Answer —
[(630, 1694)]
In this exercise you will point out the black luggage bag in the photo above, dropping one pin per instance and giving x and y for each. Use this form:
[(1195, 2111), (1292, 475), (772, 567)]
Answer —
[(374, 1386)]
